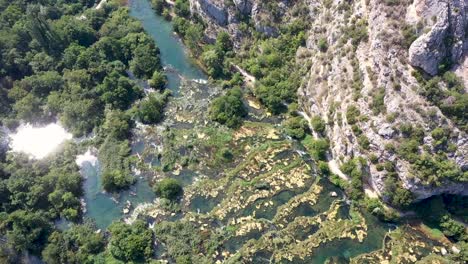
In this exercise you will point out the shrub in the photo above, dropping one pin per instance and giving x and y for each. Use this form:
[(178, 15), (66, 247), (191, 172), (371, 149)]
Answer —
[(228, 109), (296, 127), (114, 180), (150, 110), (374, 159), (158, 6), (364, 142), (352, 114), (158, 80), (324, 168), (354, 169), (317, 147), (130, 242), (453, 229), (322, 44), (168, 188), (318, 125), (409, 34), (378, 103)]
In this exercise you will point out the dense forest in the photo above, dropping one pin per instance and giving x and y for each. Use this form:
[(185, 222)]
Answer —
[(69, 61)]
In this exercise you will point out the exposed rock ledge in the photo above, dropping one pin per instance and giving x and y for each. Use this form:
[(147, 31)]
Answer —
[(213, 9), (446, 39)]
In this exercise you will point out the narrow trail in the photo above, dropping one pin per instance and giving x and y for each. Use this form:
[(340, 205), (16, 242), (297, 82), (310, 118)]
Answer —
[(336, 170), (101, 4), (248, 78)]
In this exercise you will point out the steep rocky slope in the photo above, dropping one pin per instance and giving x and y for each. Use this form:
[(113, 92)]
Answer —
[(367, 61), (380, 66)]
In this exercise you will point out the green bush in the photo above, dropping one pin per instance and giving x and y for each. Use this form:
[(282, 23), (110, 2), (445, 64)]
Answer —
[(364, 142), (318, 124), (378, 103), (182, 8), (324, 168), (150, 110), (322, 44), (168, 188), (354, 169), (131, 242), (158, 80), (296, 127), (158, 6), (317, 148), (115, 180), (228, 109), (352, 114), (453, 229), (75, 245)]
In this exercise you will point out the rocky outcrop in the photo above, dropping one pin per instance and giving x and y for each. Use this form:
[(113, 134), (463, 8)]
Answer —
[(366, 59), (351, 74), (244, 6), (215, 10), (447, 39), (228, 16), (422, 191)]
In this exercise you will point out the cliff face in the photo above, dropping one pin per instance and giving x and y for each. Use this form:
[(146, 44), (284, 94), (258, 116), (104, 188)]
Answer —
[(230, 15), (446, 38), (372, 48), (380, 66)]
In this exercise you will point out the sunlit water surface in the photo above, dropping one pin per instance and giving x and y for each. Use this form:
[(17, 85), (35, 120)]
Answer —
[(38, 142)]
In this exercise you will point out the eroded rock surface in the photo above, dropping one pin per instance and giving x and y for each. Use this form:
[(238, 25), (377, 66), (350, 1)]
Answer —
[(446, 42), (374, 48)]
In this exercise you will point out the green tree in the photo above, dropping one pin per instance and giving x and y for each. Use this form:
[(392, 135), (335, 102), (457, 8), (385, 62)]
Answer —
[(27, 230), (182, 8), (317, 148), (453, 229), (213, 61), (28, 108), (145, 60), (150, 110), (114, 180), (223, 42), (318, 124), (168, 188), (296, 127), (158, 6), (158, 80), (119, 91), (130, 242), (117, 124), (228, 109), (76, 245)]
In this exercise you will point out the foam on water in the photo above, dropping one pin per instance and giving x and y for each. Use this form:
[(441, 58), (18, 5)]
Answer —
[(88, 156)]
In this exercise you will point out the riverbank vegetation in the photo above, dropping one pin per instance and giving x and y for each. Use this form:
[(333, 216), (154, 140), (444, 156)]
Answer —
[(78, 64), (253, 193)]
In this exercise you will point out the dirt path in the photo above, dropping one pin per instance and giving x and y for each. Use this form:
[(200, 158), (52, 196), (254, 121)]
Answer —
[(336, 170), (248, 78), (101, 4)]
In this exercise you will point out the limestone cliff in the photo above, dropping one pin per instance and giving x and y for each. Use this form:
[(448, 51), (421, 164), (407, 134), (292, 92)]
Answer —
[(230, 15), (363, 55), (380, 65), (446, 39)]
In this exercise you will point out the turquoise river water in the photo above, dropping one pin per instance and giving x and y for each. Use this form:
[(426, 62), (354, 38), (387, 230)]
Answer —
[(103, 208)]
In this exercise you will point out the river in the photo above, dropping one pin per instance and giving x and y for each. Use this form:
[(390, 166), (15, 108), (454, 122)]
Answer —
[(104, 209)]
